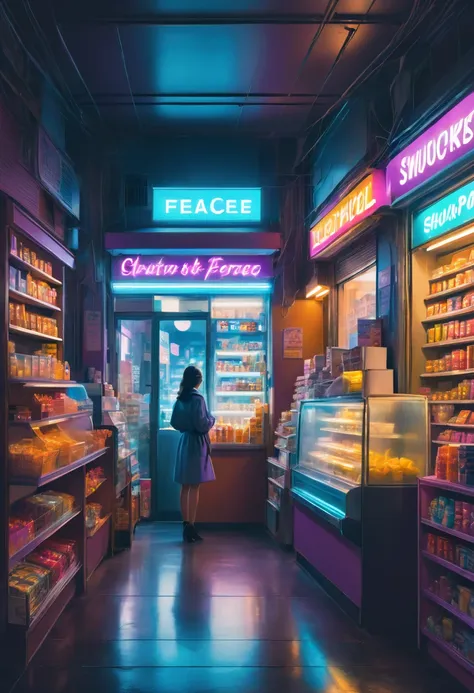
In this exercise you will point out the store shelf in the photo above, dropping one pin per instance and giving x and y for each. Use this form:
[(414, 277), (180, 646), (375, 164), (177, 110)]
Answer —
[(91, 493), (42, 382), (32, 301), (220, 352), (340, 432), (276, 463), (449, 401), (442, 317), (34, 335), (99, 525), (449, 374), (452, 273), (275, 482), (58, 473), (285, 436), (273, 504), (233, 412), (450, 343), (449, 292), (54, 593), (452, 425), (129, 454), (238, 393), (447, 485), (42, 536), (453, 653), (238, 374), (336, 420), (460, 615), (34, 271), (451, 444), (50, 421), (466, 574), (447, 530)]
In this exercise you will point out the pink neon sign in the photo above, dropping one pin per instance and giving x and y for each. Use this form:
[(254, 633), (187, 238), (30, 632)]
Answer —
[(183, 268)]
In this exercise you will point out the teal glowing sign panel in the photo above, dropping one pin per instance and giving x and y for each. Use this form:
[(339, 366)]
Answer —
[(443, 216), (207, 205)]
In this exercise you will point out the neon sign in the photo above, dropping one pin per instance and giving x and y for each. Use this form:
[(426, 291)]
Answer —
[(336, 220), (191, 268), (443, 216), (207, 205), (447, 141)]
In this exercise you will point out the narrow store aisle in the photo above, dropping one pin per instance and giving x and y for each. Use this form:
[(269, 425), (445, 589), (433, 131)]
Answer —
[(233, 614)]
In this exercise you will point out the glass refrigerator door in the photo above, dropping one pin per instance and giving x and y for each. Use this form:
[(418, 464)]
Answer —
[(239, 352)]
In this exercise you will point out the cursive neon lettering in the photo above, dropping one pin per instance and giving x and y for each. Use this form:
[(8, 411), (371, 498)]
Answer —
[(201, 268)]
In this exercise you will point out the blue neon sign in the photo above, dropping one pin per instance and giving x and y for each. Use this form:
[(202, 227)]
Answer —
[(443, 216), (207, 205)]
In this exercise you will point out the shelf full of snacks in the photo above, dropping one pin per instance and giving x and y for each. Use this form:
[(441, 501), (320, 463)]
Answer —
[(279, 511), (125, 512), (446, 535), (52, 447)]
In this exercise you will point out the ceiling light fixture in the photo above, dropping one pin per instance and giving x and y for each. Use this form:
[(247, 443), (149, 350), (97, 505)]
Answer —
[(313, 291), (451, 239)]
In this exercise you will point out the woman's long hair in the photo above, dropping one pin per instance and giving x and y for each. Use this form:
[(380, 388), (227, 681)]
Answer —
[(192, 377)]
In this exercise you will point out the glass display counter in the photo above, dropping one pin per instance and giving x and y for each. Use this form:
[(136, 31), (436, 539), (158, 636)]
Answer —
[(348, 442)]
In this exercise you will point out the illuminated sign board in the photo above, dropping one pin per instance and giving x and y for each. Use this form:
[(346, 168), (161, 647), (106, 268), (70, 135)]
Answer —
[(443, 216), (337, 220), (207, 205), (155, 273), (446, 142)]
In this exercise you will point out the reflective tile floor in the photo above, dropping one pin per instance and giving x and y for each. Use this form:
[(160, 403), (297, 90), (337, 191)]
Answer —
[(232, 615)]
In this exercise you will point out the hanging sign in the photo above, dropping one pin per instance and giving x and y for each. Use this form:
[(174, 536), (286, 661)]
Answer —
[(338, 219), (293, 343), (191, 268), (446, 142), (207, 205), (443, 216)]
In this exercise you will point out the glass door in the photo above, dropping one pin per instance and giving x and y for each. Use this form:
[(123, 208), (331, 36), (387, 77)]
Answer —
[(134, 378), (181, 341)]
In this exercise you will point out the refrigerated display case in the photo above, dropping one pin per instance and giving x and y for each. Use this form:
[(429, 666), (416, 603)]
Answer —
[(354, 485), (239, 344)]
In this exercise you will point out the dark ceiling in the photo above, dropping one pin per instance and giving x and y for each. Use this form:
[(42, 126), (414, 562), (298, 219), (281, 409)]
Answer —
[(267, 67)]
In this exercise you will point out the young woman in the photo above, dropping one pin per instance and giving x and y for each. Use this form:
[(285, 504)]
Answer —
[(193, 459)]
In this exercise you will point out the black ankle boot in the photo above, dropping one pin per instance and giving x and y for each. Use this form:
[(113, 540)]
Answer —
[(187, 533), (194, 533)]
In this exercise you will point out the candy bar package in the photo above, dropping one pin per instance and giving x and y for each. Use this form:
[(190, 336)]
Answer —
[(28, 586), (66, 547), (53, 561)]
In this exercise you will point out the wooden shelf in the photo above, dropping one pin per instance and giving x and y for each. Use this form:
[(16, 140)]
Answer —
[(450, 651), (276, 463), (466, 574), (32, 301), (449, 343), (452, 272), (91, 493), (99, 525), (449, 374), (452, 425), (50, 421), (42, 382), (42, 536), (447, 530), (460, 615), (54, 593), (447, 485), (34, 271), (449, 292), (275, 482), (452, 443), (442, 317), (34, 335), (58, 473)]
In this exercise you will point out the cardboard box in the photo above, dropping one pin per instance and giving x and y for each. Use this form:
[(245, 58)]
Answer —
[(334, 363), (369, 333), (378, 383), (365, 359)]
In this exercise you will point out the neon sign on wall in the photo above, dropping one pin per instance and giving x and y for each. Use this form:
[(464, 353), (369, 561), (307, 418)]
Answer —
[(207, 205), (444, 143), (337, 220), (191, 268)]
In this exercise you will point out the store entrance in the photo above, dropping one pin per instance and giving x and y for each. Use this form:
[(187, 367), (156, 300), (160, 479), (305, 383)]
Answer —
[(152, 352)]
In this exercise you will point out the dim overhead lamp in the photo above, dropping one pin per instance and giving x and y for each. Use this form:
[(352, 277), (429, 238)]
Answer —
[(446, 241), (182, 325)]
